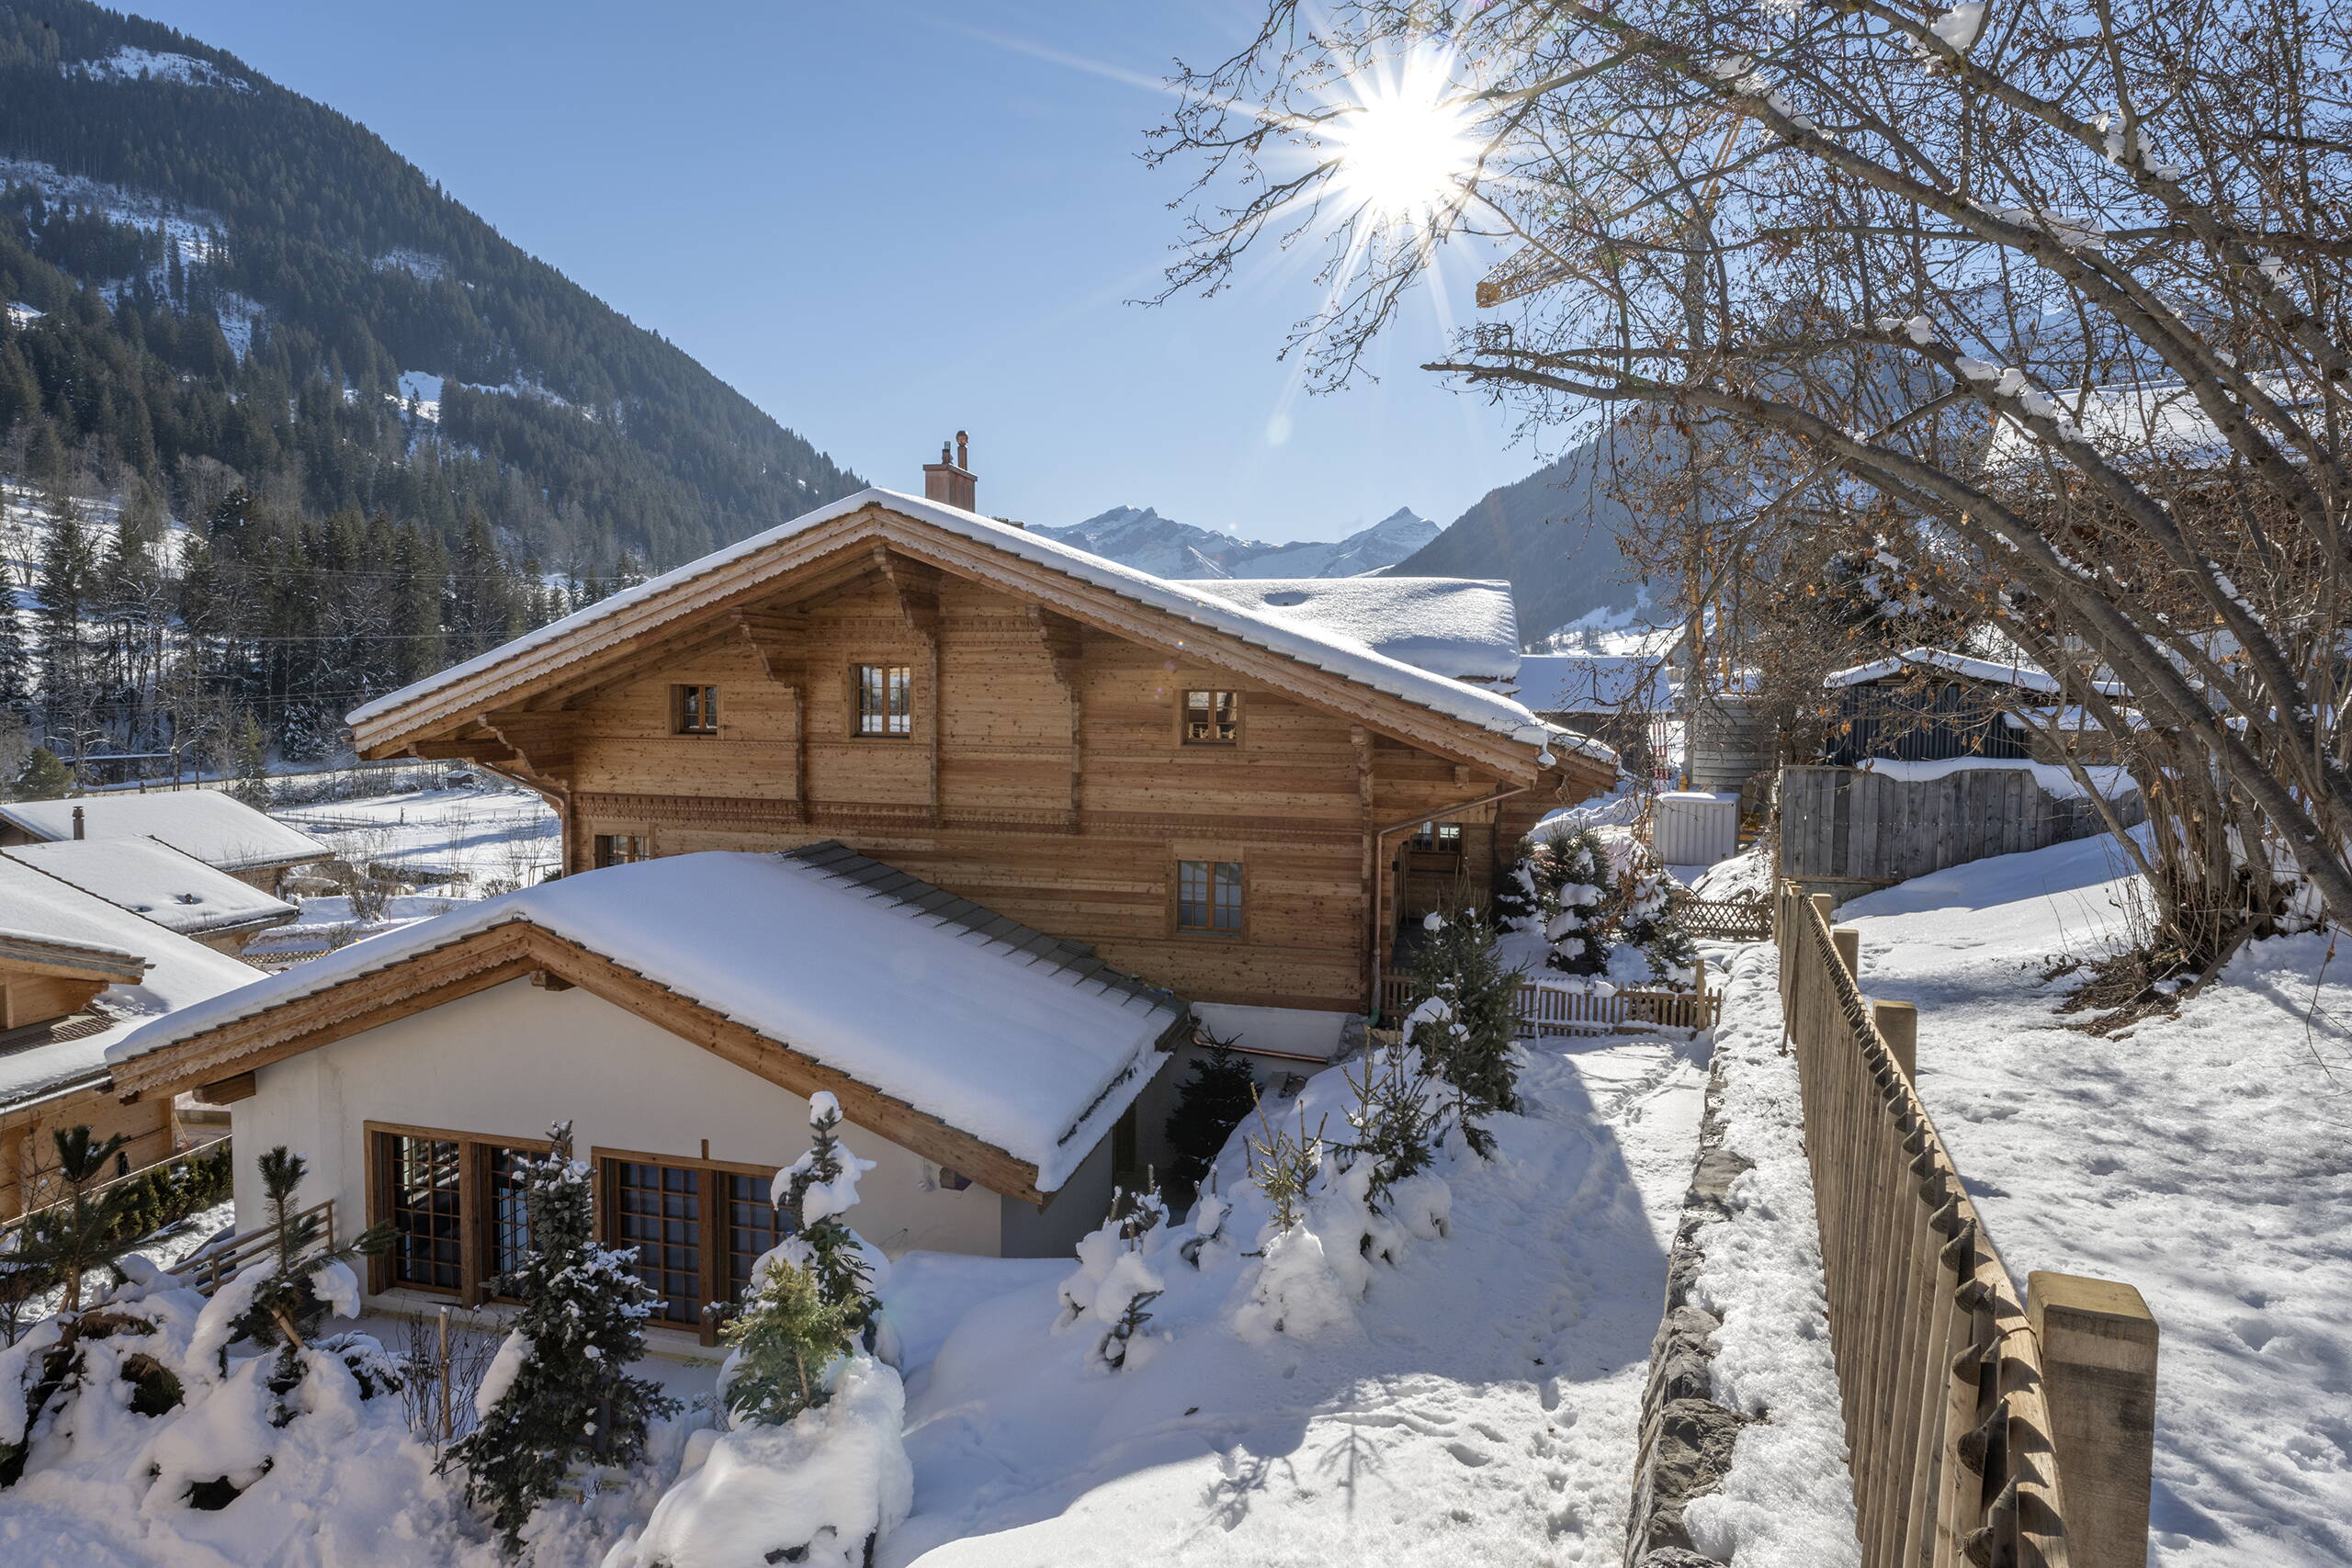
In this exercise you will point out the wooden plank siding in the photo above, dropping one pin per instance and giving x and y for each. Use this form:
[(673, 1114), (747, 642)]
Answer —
[(1045, 777)]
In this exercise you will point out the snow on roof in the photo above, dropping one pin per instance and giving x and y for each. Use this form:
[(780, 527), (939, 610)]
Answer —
[(1189, 600), (1585, 683), (215, 828), (179, 973), (1033, 1057), (2139, 421), (1457, 626), (2026, 677), (147, 876)]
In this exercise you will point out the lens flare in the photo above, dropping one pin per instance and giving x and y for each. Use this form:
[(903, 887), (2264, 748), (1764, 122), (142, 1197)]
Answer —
[(1404, 140)]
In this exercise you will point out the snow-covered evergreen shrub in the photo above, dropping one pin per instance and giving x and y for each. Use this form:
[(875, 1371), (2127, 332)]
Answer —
[(560, 1391), (780, 1344), (1649, 926), (821, 1186), (1573, 881), (301, 1281), (1399, 1115), (1464, 1020), (1118, 1274)]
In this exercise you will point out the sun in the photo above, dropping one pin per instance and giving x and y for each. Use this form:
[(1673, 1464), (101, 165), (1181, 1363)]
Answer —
[(1403, 138)]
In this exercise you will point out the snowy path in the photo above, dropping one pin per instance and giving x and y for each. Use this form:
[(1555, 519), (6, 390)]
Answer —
[(1484, 1413), (2207, 1159)]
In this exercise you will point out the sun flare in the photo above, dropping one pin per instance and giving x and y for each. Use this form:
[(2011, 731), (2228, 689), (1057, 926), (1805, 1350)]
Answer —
[(1403, 138)]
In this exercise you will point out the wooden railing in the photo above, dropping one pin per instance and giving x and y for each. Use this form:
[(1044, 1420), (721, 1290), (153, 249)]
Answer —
[(1544, 1010), (1977, 1433), (211, 1148), (221, 1262), (1725, 919)]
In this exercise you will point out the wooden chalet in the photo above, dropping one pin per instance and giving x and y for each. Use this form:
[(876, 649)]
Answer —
[(1231, 805)]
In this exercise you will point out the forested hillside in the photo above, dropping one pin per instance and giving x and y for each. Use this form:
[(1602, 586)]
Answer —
[(377, 423)]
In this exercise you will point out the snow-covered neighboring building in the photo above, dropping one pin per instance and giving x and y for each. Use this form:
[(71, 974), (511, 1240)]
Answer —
[(77, 975), (1929, 704), (169, 887), (215, 828), (679, 1012), (1620, 699)]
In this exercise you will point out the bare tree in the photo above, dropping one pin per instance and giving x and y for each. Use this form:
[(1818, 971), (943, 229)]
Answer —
[(2058, 287)]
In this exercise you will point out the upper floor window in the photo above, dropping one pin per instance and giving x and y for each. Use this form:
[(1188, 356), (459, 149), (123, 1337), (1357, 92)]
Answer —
[(1208, 895), (621, 849), (1445, 838), (885, 699), (1212, 718), (694, 710)]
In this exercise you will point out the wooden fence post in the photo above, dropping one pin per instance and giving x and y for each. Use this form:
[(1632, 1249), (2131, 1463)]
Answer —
[(2099, 1365), (1848, 942), (1898, 1026)]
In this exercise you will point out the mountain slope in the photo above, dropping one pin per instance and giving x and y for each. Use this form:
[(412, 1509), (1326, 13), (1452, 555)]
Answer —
[(1145, 540), (188, 248), (1554, 535)]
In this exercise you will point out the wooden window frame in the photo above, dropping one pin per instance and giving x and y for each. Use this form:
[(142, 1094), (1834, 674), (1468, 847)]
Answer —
[(714, 1253), (1438, 848), (694, 708), (476, 1231), (856, 685), (1238, 933), (599, 860), (1185, 721)]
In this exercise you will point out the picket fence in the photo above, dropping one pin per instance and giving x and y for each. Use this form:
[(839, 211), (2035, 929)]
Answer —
[(1980, 1430)]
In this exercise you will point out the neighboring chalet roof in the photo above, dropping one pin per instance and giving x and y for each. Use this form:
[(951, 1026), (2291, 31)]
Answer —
[(1589, 684), (160, 971), (1065, 579), (2130, 422), (965, 1037), (2024, 676), (1460, 627), (215, 828), (149, 877)]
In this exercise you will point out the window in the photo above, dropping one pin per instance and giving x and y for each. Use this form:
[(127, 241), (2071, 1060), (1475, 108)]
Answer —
[(1212, 718), (1208, 895), (885, 699), (621, 849), (1444, 838), (694, 710), (697, 1227), (455, 1207)]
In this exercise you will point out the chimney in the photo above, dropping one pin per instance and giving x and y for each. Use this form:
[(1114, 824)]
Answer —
[(77, 821), (950, 480)]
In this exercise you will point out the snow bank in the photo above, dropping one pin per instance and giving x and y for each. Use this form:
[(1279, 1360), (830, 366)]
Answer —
[(813, 1491)]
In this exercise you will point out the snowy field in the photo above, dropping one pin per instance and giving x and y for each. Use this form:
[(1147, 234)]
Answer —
[(2203, 1158)]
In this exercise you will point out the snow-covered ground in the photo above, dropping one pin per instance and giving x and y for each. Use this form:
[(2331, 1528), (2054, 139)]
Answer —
[(1481, 1409), (2204, 1159)]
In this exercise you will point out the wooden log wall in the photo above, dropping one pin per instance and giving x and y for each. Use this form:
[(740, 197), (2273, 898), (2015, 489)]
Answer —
[(1945, 1383), (1043, 776), (1849, 825)]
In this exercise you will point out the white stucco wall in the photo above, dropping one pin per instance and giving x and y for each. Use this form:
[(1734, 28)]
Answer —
[(505, 1062)]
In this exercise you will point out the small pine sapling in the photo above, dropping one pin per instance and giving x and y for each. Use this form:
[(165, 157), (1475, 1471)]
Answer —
[(1215, 1100), (1397, 1119), (821, 1186), (287, 1307), (558, 1394), (1575, 884), (1284, 1167), (1465, 1021), (783, 1339), (1652, 921)]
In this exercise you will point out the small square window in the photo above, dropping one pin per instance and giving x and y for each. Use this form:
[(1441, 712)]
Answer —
[(622, 849), (885, 699), (1212, 718), (1444, 838), (1208, 895), (694, 710)]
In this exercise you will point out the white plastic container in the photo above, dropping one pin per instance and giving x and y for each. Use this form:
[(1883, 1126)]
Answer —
[(1688, 828)]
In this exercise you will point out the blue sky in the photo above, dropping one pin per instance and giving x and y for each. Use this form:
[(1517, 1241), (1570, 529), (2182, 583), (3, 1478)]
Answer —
[(881, 225)]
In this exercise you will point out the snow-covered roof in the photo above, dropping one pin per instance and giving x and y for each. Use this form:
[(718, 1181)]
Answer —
[(1456, 627), (215, 828), (1012, 1043), (2130, 422), (1585, 683), (179, 973), (2024, 676), (147, 876), (1266, 628)]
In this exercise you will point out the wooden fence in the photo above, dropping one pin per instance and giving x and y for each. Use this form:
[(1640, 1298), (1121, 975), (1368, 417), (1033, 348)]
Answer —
[(1977, 1433), (1549, 1009), (1852, 825), (1725, 919), (218, 1263)]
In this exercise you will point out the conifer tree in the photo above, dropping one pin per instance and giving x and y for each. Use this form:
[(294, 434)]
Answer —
[(16, 662), (1214, 1100), (1464, 1020), (249, 762), (45, 777), (821, 1186), (566, 1394), (287, 1307), (68, 574), (783, 1339)]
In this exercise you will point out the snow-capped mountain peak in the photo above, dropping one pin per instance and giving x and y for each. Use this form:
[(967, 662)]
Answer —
[(1142, 538)]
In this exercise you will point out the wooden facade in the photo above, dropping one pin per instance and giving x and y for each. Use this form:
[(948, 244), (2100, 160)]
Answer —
[(45, 996), (1041, 767)]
